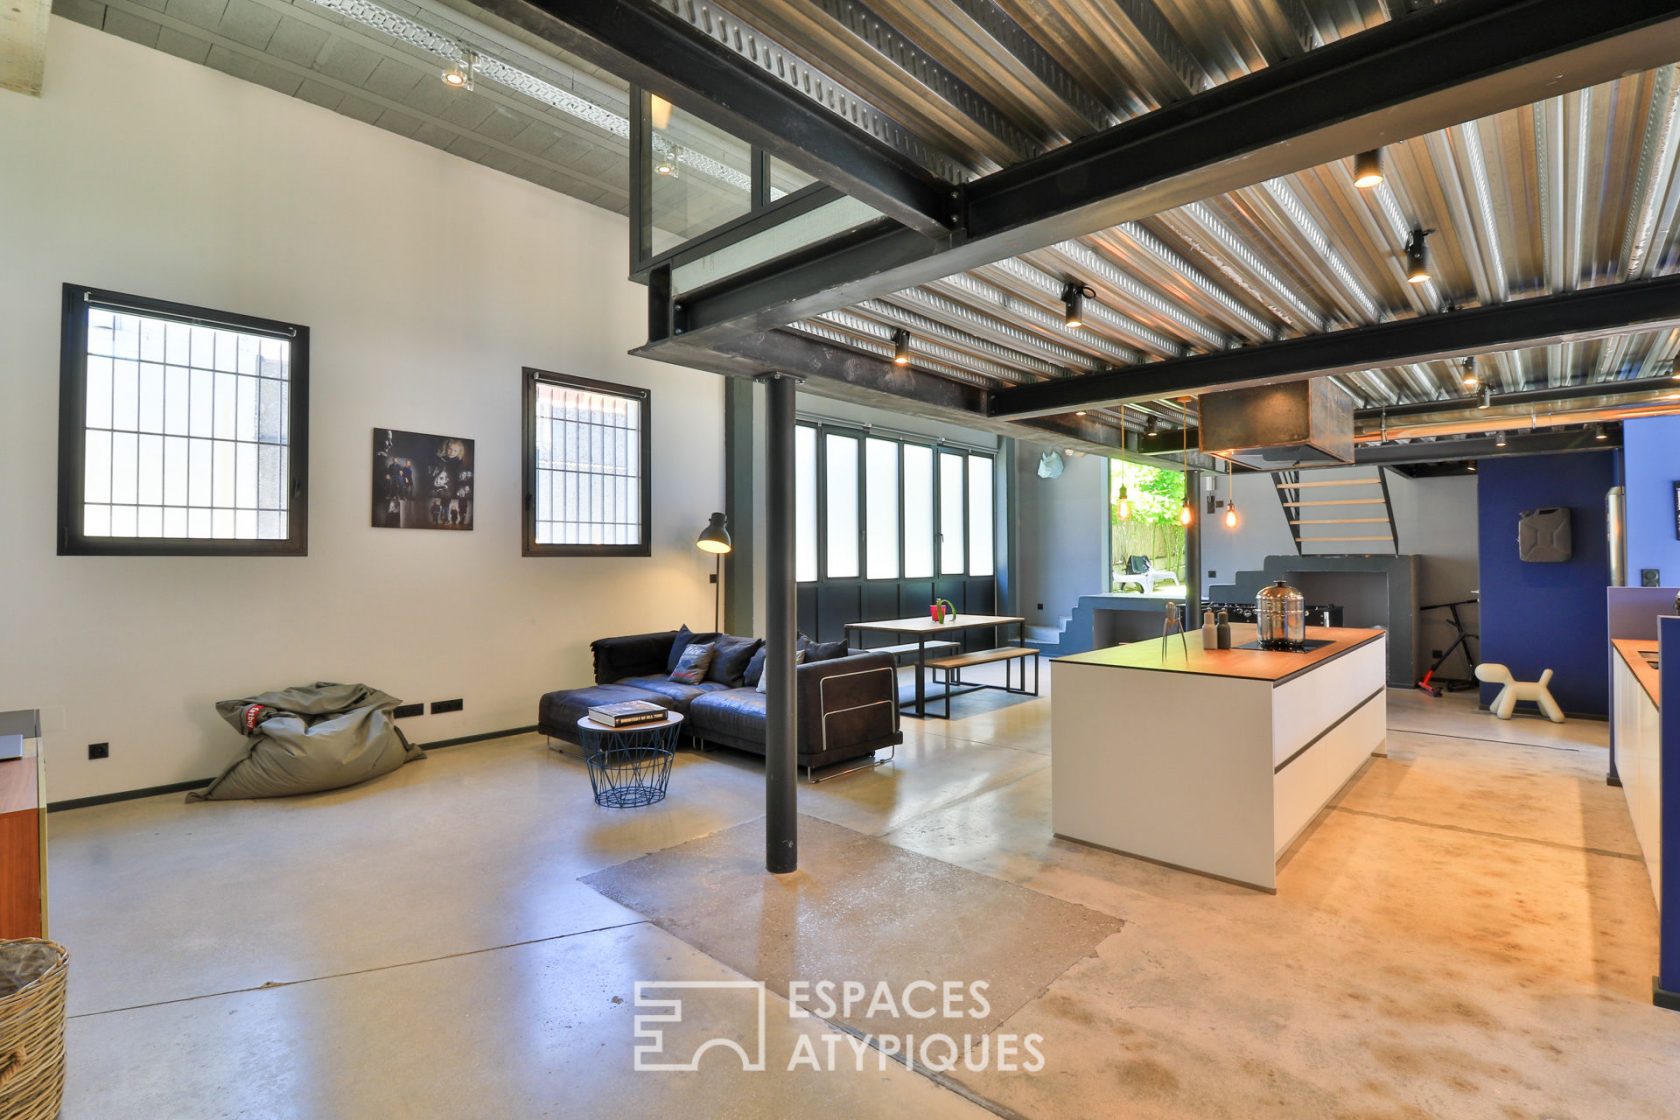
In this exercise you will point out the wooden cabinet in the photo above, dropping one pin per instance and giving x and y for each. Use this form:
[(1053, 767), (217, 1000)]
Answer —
[(23, 845)]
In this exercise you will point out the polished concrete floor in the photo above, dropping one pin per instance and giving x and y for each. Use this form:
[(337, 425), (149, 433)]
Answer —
[(1468, 931)]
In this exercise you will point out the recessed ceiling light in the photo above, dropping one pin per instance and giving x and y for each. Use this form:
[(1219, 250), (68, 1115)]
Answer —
[(1367, 169)]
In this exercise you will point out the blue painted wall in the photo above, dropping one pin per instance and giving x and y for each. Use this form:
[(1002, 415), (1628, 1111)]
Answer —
[(1651, 458), (1547, 616)]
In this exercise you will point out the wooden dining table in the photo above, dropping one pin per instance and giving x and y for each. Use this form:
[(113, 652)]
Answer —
[(923, 629)]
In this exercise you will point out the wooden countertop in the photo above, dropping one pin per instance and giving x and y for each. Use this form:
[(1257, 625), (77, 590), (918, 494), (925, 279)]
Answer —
[(1649, 678), (1242, 664)]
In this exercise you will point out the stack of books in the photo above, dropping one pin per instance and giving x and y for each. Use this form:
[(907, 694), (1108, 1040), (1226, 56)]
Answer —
[(628, 713)]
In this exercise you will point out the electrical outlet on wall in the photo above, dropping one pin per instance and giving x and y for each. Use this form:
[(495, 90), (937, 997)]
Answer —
[(404, 711), (98, 751), (441, 706)]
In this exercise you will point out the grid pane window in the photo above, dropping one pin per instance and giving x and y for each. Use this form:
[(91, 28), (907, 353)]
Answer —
[(805, 503), (587, 467), (881, 508), (841, 495), (979, 515), (950, 514), (185, 435)]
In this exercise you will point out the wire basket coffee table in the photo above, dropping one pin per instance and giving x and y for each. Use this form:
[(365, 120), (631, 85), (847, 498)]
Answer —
[(629, 766)]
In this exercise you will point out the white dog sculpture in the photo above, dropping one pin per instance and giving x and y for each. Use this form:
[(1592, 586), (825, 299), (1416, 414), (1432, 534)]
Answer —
[(1514, 690)]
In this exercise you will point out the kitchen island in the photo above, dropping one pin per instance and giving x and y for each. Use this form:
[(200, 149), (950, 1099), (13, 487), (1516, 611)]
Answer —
[(1212, 760)]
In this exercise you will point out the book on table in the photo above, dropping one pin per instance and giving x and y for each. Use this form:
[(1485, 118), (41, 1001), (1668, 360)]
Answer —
[(627, 713)]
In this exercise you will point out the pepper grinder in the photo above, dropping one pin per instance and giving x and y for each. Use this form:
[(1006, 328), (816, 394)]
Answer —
[(1210, 632), (1223, 630)]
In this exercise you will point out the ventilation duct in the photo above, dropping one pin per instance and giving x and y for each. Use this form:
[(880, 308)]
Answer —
[(1279, 427)]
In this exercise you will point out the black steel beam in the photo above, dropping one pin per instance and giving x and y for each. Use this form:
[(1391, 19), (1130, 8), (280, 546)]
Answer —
[(1545, 395), (1438, 67), (654, 50), (1484, 447), (1570, 317)]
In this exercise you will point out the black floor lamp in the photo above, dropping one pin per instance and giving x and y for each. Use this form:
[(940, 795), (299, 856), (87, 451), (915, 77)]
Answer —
[(714, 538)]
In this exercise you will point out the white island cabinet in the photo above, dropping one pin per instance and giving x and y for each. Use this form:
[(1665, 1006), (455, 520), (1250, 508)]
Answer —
[(1212, 760)]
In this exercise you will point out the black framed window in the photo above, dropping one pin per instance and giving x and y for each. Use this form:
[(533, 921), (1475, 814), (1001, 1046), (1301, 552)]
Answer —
[(877, 506), (588, 448), (182, 431)]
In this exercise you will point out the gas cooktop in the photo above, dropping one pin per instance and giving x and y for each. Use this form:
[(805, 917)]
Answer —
[(1305, 647)]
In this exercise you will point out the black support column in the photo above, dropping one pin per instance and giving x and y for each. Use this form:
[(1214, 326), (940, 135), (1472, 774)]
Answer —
[(1193, 550), (781, 763)]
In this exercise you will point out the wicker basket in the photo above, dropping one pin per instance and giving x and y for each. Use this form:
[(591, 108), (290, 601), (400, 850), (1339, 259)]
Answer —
[(32, 981)]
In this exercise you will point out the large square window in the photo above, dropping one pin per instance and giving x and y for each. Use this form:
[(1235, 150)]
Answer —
[(182, 430)]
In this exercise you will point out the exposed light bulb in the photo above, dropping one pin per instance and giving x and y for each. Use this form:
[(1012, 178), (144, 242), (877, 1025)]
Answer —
[(1124, 502), (1231, 515), (1184, 514)]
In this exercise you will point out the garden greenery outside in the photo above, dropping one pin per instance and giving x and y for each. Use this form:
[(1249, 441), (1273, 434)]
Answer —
[(1153, 530)]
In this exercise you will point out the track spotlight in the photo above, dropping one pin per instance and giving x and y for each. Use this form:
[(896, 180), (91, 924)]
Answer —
[(1674, 370), (668, 164), (1081, 412), (901, 347), (1074, 296), (1486, 400), (1499, 439), (1599, 432), (1470, 379), (1367, 169), (1151, 427), (458, 75), (1417, 257)]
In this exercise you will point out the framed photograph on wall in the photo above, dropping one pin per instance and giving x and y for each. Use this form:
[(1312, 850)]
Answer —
[(422, 481)]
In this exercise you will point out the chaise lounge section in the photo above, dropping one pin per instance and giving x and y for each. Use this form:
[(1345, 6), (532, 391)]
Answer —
[(847, 704)]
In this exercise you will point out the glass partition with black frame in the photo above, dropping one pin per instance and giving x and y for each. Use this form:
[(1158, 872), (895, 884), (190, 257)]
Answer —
[(887, 523), (693, 184), (183, 431)]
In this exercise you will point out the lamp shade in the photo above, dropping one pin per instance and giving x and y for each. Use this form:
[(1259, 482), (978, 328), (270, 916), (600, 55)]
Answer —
[(715, 536)]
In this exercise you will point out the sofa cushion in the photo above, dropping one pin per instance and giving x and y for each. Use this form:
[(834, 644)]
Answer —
[(669, 693), (755, 667), (734, 713), (692, 665), (683, 638), (730, 656), (763, 684), (559, 712), (826, 651)]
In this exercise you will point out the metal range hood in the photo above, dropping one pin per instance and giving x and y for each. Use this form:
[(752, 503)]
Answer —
[(1280, 427)]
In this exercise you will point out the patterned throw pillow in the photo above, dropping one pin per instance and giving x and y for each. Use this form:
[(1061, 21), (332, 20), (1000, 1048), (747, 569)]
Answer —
[(691, 667), (764, 678)]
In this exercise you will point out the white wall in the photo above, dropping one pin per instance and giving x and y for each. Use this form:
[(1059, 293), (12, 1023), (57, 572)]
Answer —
[(1062, 527), (427, 282), (1435, 517)]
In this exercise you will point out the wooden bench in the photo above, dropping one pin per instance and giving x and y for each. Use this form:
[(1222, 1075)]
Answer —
[(956, 663), (908, 650)]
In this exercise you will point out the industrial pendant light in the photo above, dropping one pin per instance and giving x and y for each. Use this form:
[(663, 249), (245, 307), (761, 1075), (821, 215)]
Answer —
[(1470, 379), (1231, 518), (1185, 514), (1367, 169), (901, 347), (1074, 295), (1123, 501), (1417, 257)]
